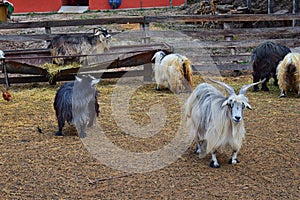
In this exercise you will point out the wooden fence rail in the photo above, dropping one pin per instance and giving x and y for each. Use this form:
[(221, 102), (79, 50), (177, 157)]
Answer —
[(225, 62), (151, 19)]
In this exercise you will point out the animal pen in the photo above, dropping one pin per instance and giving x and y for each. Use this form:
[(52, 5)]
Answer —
[(26, 63)]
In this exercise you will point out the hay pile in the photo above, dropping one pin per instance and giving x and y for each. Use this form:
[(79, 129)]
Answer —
[(53, 70)]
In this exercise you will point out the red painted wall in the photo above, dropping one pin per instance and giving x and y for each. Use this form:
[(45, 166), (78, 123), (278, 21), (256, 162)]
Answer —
[(54, 5), (103, 4), (36, 5)]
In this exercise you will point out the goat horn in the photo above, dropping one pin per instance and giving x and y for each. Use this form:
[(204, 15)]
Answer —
[(229, 89), (246, 87)]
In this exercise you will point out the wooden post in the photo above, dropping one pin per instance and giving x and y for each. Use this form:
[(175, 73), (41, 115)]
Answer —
[(270, 6), (5, 73), (48, 30), (295, 10), (232, 49), (249, 5), (146, 40)]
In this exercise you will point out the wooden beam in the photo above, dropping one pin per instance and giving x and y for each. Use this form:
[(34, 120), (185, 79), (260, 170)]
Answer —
[(222, 67), (150, 19), (262, 32), (236, 43), (221, 18), (74, 22)]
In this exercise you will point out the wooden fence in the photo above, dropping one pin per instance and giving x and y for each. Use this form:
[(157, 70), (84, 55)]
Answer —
[(229, 37)]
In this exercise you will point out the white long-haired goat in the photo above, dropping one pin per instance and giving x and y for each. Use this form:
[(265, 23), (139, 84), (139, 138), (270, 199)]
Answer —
[(173, 71), (217, 120), (288, 74)]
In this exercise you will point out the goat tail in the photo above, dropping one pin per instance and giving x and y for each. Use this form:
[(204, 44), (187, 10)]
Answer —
[(188, 73)]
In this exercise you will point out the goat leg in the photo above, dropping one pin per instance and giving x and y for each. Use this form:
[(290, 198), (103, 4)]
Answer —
[(214, 162), (157, 87), (234, 159), (82, 133), (61, 124), (264, 86), (283, 94), (201, 149), (275, 80), (256, 78)]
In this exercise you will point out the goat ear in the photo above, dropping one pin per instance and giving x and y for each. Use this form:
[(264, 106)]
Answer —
[(225, 103), (248, 106), (78, 79), (95, 81)]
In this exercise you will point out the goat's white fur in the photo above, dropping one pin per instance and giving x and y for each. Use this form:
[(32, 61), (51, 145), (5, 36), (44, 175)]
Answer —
[(217, 120), (173, 71), (288, 74)]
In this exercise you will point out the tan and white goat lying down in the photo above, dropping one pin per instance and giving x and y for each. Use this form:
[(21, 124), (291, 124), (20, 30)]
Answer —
[(288, 74), (217, 120), (173, 71)]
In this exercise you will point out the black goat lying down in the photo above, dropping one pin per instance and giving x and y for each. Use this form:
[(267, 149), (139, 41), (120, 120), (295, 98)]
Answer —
[(64, 45), (76, 102), (265, 59)]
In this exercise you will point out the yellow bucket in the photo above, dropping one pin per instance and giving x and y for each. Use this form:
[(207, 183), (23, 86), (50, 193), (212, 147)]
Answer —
[(3, 15)]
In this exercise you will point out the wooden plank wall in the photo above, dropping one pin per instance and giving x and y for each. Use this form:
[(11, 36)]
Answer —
[(223, 62)]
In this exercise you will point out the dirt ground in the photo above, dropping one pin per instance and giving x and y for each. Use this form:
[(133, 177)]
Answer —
[(39, 165), (35, 164)]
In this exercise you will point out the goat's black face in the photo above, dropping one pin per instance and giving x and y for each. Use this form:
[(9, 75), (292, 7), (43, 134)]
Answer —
[(105, 34)]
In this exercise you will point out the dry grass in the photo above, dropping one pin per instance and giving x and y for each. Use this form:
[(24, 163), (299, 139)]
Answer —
[(36, 165)]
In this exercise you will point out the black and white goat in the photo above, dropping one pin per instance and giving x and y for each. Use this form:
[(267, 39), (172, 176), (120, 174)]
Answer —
[(217, 120), (173, 71), (265, 59), (64, 45), (76, 102)]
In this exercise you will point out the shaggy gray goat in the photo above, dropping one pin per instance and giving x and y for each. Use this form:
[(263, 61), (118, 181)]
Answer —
[(76, 103), (64, 45), (217, 120)]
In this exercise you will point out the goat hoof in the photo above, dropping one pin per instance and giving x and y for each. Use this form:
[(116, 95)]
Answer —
[(233, 161), (265, 89), (82, 135), (58, 133), (282, 96), (214, 164)]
